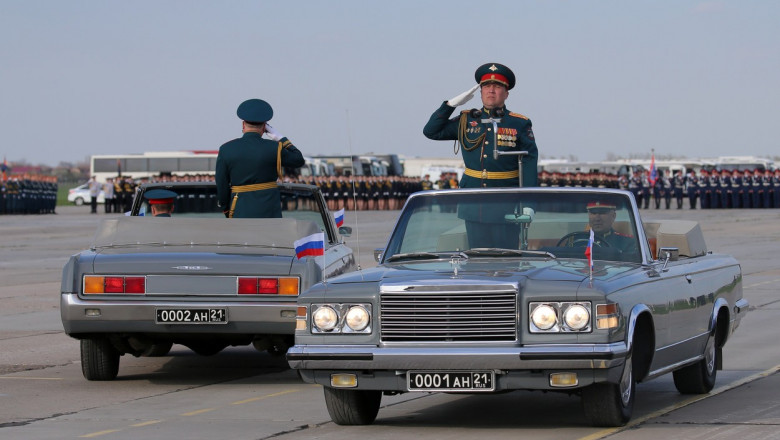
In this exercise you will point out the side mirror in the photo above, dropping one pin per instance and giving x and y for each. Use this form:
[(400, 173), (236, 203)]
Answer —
[(345, 231), (668, 254)]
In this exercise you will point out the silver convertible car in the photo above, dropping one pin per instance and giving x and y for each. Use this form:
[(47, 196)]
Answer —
[(491, 290), (197, 278)]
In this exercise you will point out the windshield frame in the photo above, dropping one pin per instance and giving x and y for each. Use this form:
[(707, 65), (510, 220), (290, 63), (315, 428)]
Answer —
[(627, 209)]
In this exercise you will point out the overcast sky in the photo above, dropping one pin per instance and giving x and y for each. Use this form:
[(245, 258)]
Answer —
[(687, 78)]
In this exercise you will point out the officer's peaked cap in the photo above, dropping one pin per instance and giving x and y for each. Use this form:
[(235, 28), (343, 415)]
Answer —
[(494, 72), (255, 111), (159, 196)]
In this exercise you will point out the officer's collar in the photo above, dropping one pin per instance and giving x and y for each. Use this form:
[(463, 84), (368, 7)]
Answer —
[(486, 111)]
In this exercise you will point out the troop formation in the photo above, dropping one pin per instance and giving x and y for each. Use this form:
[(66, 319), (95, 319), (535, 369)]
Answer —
[(28, 194), (707, 189)]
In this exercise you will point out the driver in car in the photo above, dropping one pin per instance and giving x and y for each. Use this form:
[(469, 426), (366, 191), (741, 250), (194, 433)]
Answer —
[(601, 216)]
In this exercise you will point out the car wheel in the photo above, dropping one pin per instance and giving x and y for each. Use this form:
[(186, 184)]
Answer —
[(699, 378), (78, 201), (610, 404), (207, 348), (157, 350), (99, 359), (352, 407)]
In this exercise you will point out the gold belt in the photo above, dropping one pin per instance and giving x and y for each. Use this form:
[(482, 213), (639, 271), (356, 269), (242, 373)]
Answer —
[(246, 188), (252, 187), (492, 174)]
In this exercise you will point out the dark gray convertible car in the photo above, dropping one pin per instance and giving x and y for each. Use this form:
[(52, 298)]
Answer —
[(197, 278), (491, 290)]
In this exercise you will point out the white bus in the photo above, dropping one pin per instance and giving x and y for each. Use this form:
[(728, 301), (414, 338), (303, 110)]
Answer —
[(152, 164)]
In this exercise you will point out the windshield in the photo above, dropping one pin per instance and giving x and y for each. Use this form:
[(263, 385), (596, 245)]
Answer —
[(558, 223)]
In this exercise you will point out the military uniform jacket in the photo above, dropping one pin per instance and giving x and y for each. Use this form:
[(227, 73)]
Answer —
[(477, 141), (614, 239), (249, 160)]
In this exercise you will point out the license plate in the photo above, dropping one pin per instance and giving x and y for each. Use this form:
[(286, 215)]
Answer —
[(191, 316), (451, 380)]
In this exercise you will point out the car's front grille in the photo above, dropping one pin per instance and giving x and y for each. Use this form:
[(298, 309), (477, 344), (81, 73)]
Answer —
[(457, 314)]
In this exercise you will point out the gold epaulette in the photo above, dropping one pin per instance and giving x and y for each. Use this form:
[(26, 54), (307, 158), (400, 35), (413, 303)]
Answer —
[(518, 115)]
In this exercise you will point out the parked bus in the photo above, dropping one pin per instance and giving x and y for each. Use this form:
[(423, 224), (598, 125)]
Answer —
[(151, 164)]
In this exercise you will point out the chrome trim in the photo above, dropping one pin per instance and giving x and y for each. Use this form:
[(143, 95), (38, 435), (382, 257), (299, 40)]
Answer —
[(557, 356), (670, 368)]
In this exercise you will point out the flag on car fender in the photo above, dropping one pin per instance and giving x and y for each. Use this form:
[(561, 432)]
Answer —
[(312, 245), (589, 253)]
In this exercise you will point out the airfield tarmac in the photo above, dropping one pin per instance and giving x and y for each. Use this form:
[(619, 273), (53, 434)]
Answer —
[(244, 394)]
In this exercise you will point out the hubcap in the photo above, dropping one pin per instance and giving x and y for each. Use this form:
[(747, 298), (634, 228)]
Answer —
[(625, 383), (709, 355)]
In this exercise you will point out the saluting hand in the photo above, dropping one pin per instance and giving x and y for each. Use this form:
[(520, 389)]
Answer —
[(273, 134), (463, 97)]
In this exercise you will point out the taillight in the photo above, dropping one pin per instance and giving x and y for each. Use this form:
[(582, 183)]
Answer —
[(114, 284), (267, 286)]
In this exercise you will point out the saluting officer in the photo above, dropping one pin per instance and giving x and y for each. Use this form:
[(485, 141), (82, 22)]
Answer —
[(474, 131), (248, 167)]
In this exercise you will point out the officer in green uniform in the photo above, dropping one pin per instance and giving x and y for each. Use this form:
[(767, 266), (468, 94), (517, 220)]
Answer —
[(601, 217), (160, 202), (477, 135), (247, 167), (479, 132)]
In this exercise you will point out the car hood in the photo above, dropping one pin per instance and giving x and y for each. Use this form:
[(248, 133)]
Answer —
[(494, 269)]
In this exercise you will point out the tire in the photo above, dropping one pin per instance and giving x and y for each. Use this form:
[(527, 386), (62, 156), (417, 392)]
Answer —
[(352, 407), (157, 350), (207, 348), (78, 201), (699, 378), (99, 359), (610, 404)]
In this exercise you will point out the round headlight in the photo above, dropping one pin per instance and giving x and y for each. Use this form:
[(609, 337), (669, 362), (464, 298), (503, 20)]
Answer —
[(544, 317), (577, 317), (357, 318), (325, 318)]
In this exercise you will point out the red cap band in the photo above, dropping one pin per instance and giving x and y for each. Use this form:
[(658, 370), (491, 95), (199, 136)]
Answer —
[(592, 205), (494, 77), (160, 201)]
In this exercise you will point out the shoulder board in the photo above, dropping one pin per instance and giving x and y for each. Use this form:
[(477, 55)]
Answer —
[(464, 111), (518, 115)]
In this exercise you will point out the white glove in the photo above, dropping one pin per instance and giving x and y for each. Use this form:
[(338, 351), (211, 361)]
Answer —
[(463, 97), (273, 134)]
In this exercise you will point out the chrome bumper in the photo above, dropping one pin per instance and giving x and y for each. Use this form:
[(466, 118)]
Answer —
[(533, 357), (139, 317)]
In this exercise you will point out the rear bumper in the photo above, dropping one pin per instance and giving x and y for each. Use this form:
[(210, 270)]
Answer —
[(244, 318)]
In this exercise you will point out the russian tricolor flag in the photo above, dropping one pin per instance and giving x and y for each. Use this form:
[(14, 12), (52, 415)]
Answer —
[(589, 253), (339, 215), (312, 245)]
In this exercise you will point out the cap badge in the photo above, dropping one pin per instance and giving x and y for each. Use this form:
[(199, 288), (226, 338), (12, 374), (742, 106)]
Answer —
[(493, 68)]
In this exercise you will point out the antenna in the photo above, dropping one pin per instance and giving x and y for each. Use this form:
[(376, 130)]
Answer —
[(354, 190)]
